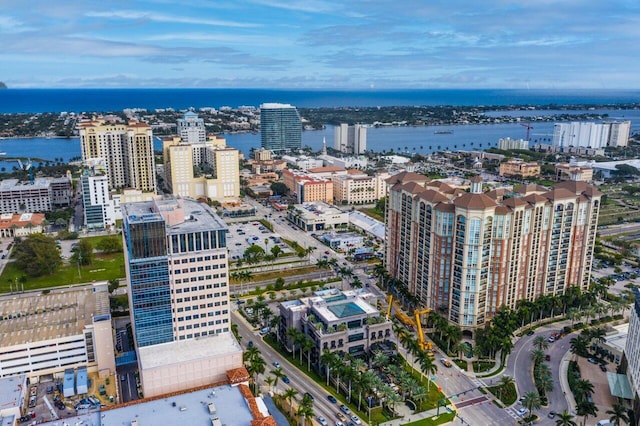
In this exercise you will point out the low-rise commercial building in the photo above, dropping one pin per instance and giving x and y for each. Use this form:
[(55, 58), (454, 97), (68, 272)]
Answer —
[(41, 195), (21, 225), (345, 322), (317, 216), (13, 391), (568, 171), (343, 242)]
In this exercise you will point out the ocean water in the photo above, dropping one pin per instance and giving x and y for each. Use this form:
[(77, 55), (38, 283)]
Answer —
[(106, 100)]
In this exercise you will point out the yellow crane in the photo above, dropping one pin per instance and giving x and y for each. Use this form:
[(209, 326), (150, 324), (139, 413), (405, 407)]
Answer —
[(424, 344)]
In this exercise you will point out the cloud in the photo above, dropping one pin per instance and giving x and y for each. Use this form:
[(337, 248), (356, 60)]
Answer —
[(9, 24), (159, 17)]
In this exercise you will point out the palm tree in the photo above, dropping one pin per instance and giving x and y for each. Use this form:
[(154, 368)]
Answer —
[(537, 356), (582, 388), (505, 381), (565, 419), (289, 395), (270, 381), (618, 414), (292, 337), (277, 375), (427, 366), (578, 345), (540, 343), (531, 401), (586, 409), (327, 359)]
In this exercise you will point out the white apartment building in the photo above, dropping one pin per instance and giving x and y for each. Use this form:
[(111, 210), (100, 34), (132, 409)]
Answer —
[(508, 143), (591, 135), (191, 128), (350, 139)]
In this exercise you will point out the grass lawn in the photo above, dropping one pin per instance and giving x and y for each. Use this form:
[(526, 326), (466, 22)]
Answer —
[(462, 363), (482, 366), (373, 213), (506, 394), (104, 267)]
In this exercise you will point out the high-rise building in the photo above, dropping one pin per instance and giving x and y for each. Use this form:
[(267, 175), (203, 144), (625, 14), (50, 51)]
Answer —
[(127, 150), (591, 135), (468, 253), (191, 128), (631, 359), (178, 284), (99, 208), (203, 170), (350, 139), (280, 127)]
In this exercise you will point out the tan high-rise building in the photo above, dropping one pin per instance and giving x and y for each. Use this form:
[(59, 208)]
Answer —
[(468, 253), (127, 150), (208, 170)]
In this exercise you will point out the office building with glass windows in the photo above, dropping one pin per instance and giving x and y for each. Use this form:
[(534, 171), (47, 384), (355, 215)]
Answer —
[(280, 127), (468, 253), (177, 273)]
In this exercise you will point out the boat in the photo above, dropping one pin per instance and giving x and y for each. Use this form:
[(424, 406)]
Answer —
[(3, 153), (443, 132)]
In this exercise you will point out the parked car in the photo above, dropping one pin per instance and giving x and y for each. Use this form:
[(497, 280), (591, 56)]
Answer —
[(551, 414), (603, 368), (530, 333), (592, 360), (522, 412)]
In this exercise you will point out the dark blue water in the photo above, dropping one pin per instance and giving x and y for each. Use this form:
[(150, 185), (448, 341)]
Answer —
[(105, 100)]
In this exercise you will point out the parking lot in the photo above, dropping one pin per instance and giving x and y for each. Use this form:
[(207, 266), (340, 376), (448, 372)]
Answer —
[(243, 235)]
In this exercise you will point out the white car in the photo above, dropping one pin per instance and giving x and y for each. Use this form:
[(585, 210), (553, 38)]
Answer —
[(322, 421), (355, 420), (522, 412)]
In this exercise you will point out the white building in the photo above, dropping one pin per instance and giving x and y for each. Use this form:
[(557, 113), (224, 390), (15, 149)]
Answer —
[(317, 216), (303, 162), (350, 162), (508, 143), (48, 333), (632, 351), (591, 135), (191, 128), (359, 188), (13, 392), (350, 139)]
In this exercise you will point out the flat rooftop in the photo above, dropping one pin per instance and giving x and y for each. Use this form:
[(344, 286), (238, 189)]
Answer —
[(12, 391), (180, 214), (186, 409), (333, 305), (33, 317), (182, 351)]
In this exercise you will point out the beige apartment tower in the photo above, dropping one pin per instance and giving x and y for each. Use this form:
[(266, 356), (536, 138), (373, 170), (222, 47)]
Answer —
[(468, 253), (127, 150)]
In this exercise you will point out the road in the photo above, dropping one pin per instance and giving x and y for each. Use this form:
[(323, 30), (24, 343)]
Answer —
[(299, 380), (618, 229), (520, 367)]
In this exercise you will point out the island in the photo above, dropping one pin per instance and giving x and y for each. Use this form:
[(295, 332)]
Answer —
[(2, 85)]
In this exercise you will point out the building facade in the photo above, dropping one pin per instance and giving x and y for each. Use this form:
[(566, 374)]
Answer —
[(350, 139), (280, 127), (467, 254), (191, 128), (568, 171), (177, 270), (48, 333), (508, 144), (127, 150), (317, 216), (359, 188), (632, 353), (19, 197), (308, 188), (519, 168), (591, 135), (203, 170)]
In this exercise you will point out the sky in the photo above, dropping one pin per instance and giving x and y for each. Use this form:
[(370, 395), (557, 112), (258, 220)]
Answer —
[(330, 44)]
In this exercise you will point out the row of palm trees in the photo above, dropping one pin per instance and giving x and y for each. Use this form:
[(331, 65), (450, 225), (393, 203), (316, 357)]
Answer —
[(541, 371)]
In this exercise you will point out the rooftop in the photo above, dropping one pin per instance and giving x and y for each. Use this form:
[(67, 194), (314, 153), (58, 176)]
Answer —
[(12, 390), (190, 409), (34, 317), (182, 351)]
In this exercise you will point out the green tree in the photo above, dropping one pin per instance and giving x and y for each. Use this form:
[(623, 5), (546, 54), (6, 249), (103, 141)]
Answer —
[(290, 395), (531, 401), (540, 343), (110, 244), (279, 188), (82, 253), (618, 414), (586, 409), (565, 419), (37, 255), (113, 285)]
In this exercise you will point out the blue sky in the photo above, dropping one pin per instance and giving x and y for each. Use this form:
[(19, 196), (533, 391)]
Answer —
[(355, 44)]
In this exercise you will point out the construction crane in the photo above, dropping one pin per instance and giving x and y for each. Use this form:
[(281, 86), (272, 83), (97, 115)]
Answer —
[(28, 167), (529, 127), (425, 345), (389, 300)]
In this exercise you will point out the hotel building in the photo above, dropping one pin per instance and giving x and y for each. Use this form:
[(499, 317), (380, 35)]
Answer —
[(306, 187), (178, 279), (468, 253), (519, 168), (127, 150)]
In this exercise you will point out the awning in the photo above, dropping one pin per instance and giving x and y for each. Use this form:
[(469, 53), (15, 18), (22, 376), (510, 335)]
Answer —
[(619, 386)]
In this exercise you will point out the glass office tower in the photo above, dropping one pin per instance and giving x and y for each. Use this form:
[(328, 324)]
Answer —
[(280, 127)]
